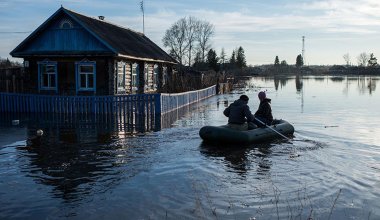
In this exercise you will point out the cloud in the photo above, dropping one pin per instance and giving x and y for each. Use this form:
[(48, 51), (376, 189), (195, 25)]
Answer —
[(279, 30), (259, 26)]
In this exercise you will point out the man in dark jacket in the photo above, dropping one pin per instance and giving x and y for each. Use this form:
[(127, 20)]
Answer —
[(238, 114), (264, 112)]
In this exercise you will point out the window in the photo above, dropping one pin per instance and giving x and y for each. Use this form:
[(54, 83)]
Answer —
[(165, 76), (155, 77), (121, 77), (47, 72), (66, 24), (86, 76), (146, 77), (135, 76)]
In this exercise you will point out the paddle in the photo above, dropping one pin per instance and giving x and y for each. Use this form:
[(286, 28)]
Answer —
[(272, 129)]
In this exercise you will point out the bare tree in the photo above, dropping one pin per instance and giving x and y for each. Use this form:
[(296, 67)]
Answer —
[(186, 34), (175, 39), (347, 58), (205, 32), (363, 59), (192, 28)]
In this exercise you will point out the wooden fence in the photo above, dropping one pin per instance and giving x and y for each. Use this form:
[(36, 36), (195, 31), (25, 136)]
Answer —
[(12, 80), (137, 112), (173, 101)]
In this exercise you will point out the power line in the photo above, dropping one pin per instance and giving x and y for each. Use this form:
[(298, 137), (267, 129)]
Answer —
[(15, 32)]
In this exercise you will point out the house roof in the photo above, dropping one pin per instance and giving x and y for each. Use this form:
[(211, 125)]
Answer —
[(121, 41)]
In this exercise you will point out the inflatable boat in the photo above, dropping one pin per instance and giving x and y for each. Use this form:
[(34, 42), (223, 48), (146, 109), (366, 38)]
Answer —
[(225, 134)]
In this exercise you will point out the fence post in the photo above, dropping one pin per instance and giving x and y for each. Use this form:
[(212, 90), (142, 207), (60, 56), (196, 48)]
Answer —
[(157, 111), (157, 103)]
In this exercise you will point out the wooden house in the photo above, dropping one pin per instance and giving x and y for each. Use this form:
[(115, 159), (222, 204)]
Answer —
[(73, 54)]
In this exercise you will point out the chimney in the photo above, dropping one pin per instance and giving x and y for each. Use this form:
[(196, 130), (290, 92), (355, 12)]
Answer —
[(101, 17)]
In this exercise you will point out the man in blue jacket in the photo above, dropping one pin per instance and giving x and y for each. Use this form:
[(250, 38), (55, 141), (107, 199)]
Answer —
[(239, 115)]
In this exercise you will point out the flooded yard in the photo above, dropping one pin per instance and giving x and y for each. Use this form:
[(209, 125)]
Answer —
[(87, 170)]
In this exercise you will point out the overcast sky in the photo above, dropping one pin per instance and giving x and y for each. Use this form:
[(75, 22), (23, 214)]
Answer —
[(264, 28)]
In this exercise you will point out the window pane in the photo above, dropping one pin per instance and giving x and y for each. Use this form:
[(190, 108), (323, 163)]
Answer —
[(135, 75), (50, 68), (86, 69), (45, 80), (83, 80), (164, 78), (90, 78), (43, 68), (155, 79), (133, 80), (137, 80), (120, 80), (48, 76), (52, 80)]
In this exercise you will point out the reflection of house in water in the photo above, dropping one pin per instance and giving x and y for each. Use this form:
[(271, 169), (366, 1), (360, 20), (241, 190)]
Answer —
[(78, 155), (76, 152), (77, 170), (91, 128)]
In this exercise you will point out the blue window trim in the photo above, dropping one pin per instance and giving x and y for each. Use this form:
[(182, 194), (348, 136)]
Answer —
[(121, 89), (77, 76), (40, 87)]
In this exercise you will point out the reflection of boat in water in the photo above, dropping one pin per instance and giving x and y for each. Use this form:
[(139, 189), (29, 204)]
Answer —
[(224, 134)]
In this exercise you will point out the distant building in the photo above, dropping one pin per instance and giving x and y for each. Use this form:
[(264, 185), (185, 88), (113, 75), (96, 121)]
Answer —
[(72, 54)]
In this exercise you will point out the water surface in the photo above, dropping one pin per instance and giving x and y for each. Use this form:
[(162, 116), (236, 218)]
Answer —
[(86, 170)]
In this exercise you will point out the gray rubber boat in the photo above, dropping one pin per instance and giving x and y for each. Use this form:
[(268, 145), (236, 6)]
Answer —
[(224, 134)]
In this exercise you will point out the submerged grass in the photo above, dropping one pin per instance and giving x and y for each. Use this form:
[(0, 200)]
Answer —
[(284, 206)]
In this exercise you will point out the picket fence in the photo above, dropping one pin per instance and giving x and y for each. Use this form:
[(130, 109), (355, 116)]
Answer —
[(143, 109)]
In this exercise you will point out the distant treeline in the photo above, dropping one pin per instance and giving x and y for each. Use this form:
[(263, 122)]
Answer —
[(6, 63), (311, 70)]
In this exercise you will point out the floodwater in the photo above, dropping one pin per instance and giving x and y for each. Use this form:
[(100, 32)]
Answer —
[(81, 170)]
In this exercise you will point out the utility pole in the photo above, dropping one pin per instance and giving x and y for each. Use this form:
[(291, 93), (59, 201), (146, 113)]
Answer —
[(303, 50), (142, 10)]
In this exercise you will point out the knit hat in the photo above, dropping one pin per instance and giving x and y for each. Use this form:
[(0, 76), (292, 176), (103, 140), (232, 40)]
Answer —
[(244, 98), (262, 95)]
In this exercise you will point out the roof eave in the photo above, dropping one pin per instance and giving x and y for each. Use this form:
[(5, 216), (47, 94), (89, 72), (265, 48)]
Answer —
[(24, 55), (146, 59)]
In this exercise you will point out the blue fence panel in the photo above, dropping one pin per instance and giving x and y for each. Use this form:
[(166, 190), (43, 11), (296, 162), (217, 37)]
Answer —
[(143, 109)]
